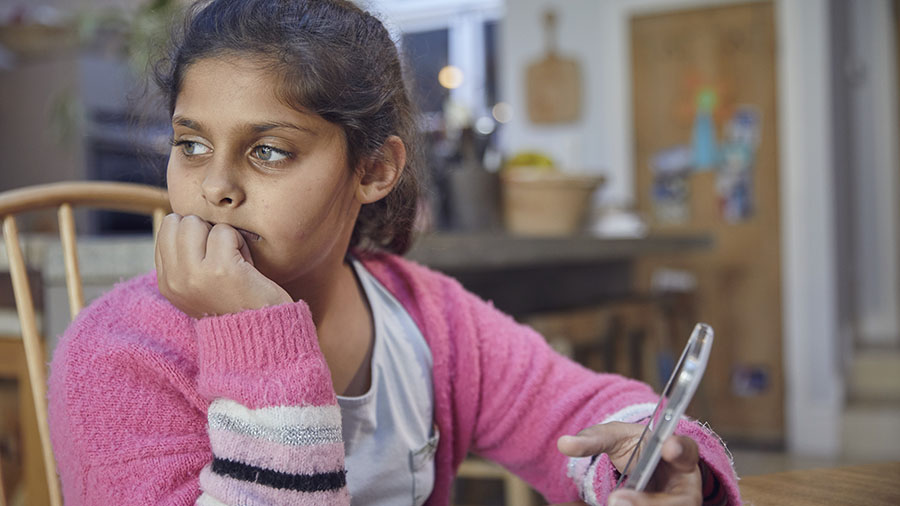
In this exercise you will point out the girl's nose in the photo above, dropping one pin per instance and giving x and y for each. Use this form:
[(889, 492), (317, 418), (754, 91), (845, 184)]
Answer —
[(220, 187)]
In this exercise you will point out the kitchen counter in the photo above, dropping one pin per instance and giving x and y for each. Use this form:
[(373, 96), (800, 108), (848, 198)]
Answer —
[(526, 275), (478, 252), (112, 257)]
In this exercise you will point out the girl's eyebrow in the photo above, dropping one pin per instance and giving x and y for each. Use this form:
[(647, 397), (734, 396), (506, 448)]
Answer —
[(188, 123), (259, 128), (256, 128)]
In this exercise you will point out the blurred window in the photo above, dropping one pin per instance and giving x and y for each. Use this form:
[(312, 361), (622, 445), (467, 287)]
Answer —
[(490, 63), (427, 53), (437, 33)]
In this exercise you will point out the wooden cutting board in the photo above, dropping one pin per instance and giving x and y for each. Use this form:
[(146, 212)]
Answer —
[(553, 83)]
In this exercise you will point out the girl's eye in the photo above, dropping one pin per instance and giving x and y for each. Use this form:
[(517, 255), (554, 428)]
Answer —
[(191, 148), (270, 154)]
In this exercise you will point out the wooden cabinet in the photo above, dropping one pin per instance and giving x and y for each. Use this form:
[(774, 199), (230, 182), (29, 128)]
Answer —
[(730, 51)]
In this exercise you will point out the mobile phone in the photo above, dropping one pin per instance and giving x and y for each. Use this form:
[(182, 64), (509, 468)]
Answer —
[(673, 401)]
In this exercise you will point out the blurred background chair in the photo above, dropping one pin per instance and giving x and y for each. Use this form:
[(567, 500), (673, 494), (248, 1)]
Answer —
[(515, 491), (124, 197)]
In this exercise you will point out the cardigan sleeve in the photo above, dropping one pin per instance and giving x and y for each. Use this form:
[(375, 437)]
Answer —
[(252, 418), (529, 396)]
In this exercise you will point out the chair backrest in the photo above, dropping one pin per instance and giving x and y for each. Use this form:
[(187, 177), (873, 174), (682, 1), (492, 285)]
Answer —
[(127, 197)]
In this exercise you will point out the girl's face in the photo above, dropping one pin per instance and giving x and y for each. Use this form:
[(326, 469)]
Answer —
[(242, 157)]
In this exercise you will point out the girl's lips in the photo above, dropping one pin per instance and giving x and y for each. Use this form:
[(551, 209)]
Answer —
[(248, 235)]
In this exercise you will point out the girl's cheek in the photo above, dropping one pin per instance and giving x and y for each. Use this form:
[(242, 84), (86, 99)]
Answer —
[(300, 232), (180, 199)]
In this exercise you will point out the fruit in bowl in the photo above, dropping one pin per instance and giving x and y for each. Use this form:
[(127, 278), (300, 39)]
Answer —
[(530, 161)]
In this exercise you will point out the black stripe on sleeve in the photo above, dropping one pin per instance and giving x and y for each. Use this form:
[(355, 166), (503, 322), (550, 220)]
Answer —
[(318, 482)]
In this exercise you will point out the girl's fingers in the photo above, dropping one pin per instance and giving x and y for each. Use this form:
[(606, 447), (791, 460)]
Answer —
[(223, 243), (632, 498), (192, 238), (681, 453), (195, 260), (161, 282), (615, 439), (245, 250), (166, 243), (157, 261), (677, 476)]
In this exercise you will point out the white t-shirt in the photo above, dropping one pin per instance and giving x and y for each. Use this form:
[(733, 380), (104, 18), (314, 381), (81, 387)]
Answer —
[(389, 434)]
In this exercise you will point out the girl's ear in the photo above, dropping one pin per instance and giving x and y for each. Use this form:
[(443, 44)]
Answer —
[(382, 172)]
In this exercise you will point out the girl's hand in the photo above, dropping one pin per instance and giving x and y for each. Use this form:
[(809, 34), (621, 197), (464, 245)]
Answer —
[(676, 481), (207, 270)]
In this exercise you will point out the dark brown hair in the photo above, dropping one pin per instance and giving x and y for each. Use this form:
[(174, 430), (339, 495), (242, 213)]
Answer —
[(335, 60)]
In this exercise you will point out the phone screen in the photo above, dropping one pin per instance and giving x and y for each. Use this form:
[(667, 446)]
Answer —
[(673, 401)]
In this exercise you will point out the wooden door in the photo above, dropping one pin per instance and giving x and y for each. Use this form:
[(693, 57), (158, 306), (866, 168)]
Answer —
[(729, 50)]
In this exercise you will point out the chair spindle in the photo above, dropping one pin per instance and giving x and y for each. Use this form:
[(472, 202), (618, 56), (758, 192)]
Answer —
[(34, 355), (70, 255)]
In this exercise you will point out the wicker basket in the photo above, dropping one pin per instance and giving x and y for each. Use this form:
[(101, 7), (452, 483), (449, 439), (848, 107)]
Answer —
[(540, 203)]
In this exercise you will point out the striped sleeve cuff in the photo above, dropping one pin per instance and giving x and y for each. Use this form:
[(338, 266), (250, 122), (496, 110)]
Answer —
[(256, 339), (596, 476), (274, 455), (632, 414), (263, 357)]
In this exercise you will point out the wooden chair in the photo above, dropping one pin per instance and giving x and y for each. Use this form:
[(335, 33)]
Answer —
[(126, 197), (133, 198)]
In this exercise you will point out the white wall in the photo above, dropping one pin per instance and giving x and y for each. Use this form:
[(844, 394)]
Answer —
[(814, 384), (584, 144), (872, 74)]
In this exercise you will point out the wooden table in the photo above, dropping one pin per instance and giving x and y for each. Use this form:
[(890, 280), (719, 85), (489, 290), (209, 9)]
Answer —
[(865, 485)]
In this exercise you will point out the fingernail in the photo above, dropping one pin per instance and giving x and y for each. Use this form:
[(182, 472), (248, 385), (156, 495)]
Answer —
[(619, 501), (569, 439), (679, 449)]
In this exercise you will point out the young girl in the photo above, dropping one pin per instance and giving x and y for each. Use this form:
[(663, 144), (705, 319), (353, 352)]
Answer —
[(282, 353)]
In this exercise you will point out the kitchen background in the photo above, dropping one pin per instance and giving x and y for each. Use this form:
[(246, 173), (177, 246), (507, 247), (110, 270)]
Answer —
[(609, 172)]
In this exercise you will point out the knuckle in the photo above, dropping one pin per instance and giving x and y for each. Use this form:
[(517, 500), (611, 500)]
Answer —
[(220, 231), (192, 220), (174, 286), (198, 222), (171, 219), (166, 290), (219, 272), (216, 230), (193, 283)]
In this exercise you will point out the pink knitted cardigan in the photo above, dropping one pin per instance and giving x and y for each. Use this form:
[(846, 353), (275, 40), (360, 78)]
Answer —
[(149, 406)]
